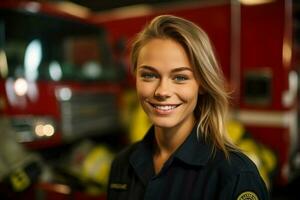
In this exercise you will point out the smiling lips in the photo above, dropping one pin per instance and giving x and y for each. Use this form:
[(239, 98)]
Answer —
[(163, 109)]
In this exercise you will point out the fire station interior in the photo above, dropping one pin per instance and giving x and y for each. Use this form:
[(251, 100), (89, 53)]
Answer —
[(67, 94)]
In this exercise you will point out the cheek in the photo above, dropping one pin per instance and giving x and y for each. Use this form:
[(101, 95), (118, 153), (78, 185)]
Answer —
[(144, 90), (189, 96)]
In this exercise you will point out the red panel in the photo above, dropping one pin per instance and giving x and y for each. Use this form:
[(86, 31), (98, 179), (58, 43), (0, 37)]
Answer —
[(262, 36)]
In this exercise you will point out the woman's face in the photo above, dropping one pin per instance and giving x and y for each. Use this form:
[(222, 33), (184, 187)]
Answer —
[(166, 83)]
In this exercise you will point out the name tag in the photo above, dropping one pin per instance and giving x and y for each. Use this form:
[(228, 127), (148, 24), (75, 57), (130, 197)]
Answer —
[(118, 186)]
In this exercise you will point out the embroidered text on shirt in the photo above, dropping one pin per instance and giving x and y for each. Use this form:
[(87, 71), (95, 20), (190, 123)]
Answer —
[(118, 186)]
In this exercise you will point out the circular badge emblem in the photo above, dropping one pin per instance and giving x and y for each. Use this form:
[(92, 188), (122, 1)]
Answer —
[(247, 196)]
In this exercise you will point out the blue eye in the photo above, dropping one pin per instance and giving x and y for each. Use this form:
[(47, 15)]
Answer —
[(180, 78), (148, 76)]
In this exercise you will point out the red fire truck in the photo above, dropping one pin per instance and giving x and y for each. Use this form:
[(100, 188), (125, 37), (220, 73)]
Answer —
[(254, 46), (58, 81), (58, 84)]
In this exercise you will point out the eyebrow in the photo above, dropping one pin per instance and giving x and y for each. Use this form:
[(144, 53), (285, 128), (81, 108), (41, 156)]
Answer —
[(179, 69)]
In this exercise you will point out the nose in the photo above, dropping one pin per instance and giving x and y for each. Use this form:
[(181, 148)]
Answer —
[(163, 90)]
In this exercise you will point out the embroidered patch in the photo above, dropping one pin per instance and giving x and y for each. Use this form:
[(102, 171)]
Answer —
[(118, 186), (247, 196)]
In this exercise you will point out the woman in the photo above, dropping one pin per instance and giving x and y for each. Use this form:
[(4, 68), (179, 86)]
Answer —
[(185, 154)]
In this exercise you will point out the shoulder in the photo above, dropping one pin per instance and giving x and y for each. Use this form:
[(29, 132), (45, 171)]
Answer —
[(237, 163), (238, 176), (241, 163)]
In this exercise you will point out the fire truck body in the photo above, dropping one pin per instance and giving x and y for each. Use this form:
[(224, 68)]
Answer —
[(56, 75)]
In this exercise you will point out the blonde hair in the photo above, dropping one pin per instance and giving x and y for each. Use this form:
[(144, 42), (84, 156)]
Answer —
[(212, 104)]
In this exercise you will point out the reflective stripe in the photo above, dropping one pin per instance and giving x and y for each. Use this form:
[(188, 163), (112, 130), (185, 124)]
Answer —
[(266, 118), (277, 119)]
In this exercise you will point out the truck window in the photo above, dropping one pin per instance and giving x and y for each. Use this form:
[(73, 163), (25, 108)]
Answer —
[(42, 47)]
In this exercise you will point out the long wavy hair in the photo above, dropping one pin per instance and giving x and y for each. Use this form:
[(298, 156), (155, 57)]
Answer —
[(212, 105)]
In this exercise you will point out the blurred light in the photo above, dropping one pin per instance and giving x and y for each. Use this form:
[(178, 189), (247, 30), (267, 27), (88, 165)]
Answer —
[(10, 91), (42, 130), (60, 188), (73, 9), (21, 86), (33, 91), (92, 70), (133, 11), (55, 71), (286, 53), (3, 64), (48, 130), (33, 7), (125, 12), (39, 130), (255, 2), (33, 57), (65, 94), (290, 95), (293, 81)]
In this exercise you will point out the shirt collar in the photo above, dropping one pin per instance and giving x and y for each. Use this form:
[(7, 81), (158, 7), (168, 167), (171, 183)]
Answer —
[(193, 151)]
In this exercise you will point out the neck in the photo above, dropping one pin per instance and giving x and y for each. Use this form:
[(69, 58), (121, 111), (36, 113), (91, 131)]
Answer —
[(169, 139)]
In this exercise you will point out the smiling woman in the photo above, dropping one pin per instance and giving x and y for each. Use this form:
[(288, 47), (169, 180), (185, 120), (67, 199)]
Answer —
[(186, 153)]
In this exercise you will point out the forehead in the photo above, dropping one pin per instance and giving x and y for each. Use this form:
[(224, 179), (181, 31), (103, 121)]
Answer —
[(163, 52)]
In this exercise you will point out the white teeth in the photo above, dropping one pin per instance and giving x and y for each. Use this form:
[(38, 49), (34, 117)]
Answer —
[(165, 107)]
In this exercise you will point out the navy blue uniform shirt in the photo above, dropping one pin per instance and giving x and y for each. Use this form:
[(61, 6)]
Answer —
[(191, 173)]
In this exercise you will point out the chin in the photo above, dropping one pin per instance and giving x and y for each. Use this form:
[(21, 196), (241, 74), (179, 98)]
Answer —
[(164, 123)]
